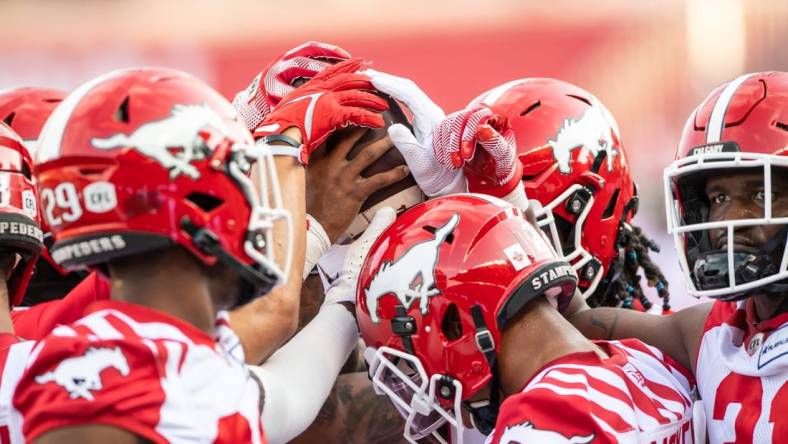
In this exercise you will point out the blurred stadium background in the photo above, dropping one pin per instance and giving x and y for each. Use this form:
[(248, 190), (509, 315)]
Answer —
[(649, 61)]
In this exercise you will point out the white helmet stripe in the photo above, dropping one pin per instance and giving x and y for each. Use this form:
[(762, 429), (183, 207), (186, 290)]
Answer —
[(717, 119), (494, 94), (52, 133)]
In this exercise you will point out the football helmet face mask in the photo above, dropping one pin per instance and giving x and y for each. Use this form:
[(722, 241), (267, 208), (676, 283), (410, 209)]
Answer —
[(20, 232), (741, 127), (141, 159), (574, 167), (435, 291)]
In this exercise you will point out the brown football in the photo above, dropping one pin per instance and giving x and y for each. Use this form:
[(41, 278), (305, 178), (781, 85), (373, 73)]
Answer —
[(401, 195)]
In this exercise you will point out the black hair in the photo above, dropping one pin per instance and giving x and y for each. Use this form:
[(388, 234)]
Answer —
[(621, 286)]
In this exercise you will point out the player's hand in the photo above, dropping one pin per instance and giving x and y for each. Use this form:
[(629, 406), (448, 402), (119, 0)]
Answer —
[(343, 289), (335, 187), (480, 140), (416, 147), (494, 168), (278, 79), (333, 99)]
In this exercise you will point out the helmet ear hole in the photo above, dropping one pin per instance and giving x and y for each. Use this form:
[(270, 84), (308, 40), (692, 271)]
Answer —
[(611, 205), (9, 118), (205, 202), (451, 326)]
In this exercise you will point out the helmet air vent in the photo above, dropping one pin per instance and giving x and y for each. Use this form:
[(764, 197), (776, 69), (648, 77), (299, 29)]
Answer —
[(122, 113)]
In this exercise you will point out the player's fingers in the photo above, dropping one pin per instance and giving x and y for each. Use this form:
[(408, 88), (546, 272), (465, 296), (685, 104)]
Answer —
[(316, 49), (487, 136), (369, 155), (299, 67), (470, 132), (351, 81), (384, 179), (348, 66), (368, 119), (341, 151), (362, 99)]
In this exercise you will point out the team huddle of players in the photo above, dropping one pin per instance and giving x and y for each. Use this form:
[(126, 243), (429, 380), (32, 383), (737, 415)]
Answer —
[(182, 269)]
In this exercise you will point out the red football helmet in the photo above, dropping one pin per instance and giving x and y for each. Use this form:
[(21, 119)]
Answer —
[(741, 126), (435, 291), (19, 229), (26, 110), (141, 159), (575, 166)]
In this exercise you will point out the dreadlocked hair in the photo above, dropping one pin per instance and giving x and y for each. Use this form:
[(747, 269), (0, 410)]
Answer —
[(621, 286)]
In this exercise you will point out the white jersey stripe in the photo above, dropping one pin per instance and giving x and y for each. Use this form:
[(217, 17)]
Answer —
[(630, 420), (149, 330), (101, 328), (671, 411), (600, 374), (630, 436), (717, 118), (612, 404), (12, 372), (653, 376)]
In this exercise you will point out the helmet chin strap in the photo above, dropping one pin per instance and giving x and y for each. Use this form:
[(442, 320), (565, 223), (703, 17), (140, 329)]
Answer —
[(255, 282), (710, 271), (485, 417)]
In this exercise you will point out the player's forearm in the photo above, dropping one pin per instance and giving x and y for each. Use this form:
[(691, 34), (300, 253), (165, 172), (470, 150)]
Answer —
[(265, 324), (298, 378), (619, 323)]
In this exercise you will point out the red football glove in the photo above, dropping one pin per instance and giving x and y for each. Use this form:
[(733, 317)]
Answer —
[(278, 78), (494, 169), (331, 100)]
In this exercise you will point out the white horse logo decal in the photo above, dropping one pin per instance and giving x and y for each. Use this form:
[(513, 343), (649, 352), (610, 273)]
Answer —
[(526, 433), (412, 275), (591, 131), (81, 374), (179, 130)]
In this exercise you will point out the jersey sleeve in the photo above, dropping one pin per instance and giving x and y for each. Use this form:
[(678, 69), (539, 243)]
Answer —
[(71, 381), (720, 313), (541, 415), (37, 321)]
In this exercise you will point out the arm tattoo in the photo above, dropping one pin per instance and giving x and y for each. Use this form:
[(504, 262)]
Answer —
[(605, 321), (354, 414), (370, 418)]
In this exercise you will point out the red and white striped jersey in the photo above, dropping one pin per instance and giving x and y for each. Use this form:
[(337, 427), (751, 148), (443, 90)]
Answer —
[(14, 354), (37, 321), (145, 372), (637, 395), (742, 371)]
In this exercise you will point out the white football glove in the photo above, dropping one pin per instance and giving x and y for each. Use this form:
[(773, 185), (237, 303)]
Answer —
[(416, 147), (343, 288)]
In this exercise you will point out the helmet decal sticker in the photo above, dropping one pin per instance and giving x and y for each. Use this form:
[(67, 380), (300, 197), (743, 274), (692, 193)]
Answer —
[(412, 275), (590, 131), (180, 130)]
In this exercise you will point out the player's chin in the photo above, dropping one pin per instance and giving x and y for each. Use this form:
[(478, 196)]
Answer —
[(225, 286)]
